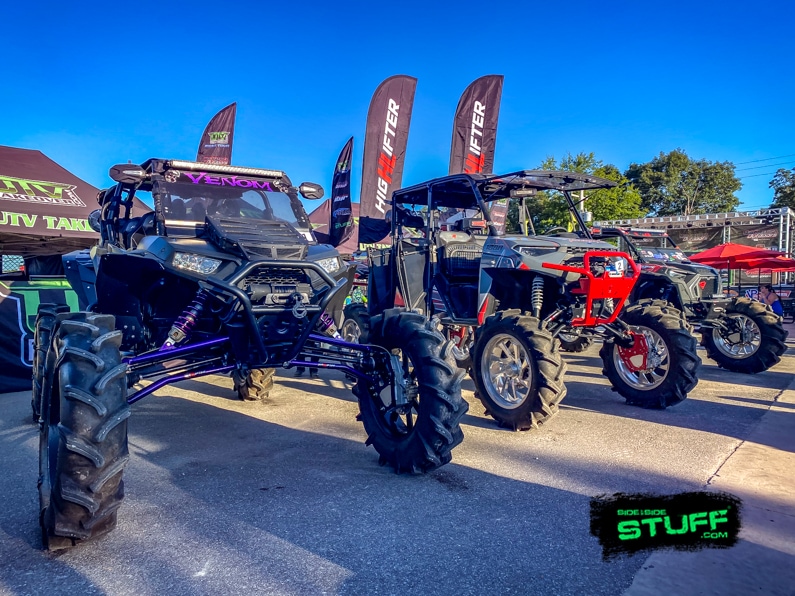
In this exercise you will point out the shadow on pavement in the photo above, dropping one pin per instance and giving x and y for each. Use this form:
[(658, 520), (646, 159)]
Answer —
[(220, 502)]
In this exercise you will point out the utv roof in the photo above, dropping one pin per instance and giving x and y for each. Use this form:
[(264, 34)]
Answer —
[(456, 190)]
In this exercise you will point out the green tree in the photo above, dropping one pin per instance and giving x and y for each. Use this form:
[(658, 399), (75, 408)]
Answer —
[(783, 185), (549, 209), (674, 184)]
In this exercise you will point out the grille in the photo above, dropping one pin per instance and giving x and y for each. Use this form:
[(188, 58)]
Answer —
[(276, 277), (577, 250)]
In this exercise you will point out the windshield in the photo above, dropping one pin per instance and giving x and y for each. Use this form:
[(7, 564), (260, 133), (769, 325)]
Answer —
[(190, 202), (662, 254)]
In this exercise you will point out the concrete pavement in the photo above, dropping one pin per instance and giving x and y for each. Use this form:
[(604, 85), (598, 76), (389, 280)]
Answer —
[(761, 471), (226, 497)]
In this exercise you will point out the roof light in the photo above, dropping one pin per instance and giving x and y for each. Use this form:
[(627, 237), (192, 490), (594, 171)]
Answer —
[(194, 166)]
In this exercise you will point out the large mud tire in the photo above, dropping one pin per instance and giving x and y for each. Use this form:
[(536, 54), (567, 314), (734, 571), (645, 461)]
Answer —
[(668, 382), (518, 370), (355, 324), (764, 346), (256, 385), (83, 441), (572, 339), (42, 340), (424, 438)]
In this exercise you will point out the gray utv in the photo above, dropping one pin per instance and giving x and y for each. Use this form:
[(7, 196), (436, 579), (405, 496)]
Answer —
[(503, 299)]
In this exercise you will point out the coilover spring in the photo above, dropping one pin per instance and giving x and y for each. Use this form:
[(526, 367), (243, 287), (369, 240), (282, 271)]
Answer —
[(326, 324), (537, 295), (181, 329)]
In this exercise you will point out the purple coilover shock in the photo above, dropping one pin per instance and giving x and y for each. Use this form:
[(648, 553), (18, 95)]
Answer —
[(327, 326), (181, 329)]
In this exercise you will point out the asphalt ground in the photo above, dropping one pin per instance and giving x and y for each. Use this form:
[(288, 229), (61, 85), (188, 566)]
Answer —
[(225, 497)]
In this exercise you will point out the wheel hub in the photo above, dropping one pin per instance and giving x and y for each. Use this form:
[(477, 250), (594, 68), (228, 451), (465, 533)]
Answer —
[(742, 338), (644, 365), (507, 371)]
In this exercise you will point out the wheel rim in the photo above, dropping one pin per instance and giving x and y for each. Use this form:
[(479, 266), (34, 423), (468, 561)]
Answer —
[(507, 371), (399, 421), (351, 332), (658, 363), (741, 342)]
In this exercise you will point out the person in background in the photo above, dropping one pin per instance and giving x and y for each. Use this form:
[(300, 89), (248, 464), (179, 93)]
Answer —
[(768, 296), (299, 370)]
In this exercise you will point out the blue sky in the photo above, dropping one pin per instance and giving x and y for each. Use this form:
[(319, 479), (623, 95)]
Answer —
[(93, 84)]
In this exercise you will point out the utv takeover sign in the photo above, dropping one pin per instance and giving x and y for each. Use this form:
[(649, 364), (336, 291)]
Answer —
[(629, 524), (39, 192), (39, 195)]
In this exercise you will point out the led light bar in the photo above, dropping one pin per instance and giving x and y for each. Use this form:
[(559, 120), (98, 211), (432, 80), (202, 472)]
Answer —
[(194, 166)]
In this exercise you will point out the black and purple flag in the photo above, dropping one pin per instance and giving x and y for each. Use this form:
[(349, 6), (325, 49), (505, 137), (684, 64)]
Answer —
[(475, 126), (341, 217), (216, 143), (385, 140)]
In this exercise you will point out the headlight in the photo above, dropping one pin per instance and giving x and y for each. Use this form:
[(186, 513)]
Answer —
[(536, 251), (195, 263), (331, 264)]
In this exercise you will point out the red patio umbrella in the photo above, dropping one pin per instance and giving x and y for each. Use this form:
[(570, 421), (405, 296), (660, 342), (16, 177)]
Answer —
[(728, 255), (768, 264)]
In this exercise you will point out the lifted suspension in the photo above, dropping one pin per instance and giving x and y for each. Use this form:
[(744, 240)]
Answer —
[(182, 327)]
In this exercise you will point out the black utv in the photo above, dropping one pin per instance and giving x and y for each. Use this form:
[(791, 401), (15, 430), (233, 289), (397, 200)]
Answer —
[(739, 334), (503, 299), (223, 277)]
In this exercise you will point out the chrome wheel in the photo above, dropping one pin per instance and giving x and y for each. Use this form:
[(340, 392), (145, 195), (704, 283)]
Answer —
[(658, 363), (351, 332), (742, 341), (507, 370)]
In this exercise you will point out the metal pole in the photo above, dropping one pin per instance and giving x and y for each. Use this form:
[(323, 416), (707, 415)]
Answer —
[(780, 230)]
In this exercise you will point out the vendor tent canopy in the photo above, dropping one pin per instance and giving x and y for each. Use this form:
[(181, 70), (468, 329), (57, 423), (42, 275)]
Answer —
[(44, 208)]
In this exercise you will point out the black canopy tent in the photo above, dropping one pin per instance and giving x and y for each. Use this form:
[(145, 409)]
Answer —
[(44, 212), (44, 208)]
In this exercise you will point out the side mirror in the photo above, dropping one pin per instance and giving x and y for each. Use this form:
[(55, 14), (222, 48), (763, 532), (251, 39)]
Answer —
[(310, 190), (93, 220), (127, 173)]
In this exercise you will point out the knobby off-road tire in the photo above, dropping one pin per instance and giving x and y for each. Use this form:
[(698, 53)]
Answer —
[(424, 438), (256, 385), (667, 382), (355, 324), (518, 370), (42, 340), (764, 348), (83, 441), (572, 339)]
